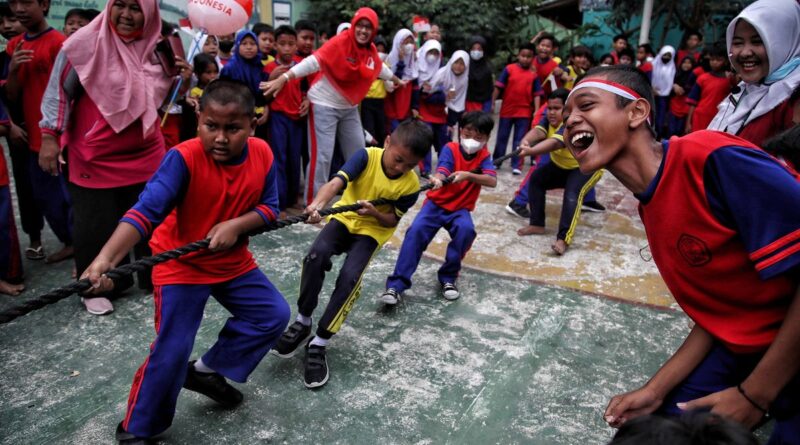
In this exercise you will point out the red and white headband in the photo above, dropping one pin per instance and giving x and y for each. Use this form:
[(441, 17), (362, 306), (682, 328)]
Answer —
[(605, 85)]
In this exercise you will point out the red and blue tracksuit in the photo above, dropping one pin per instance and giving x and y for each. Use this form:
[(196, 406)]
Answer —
[(723, 221), (188, 195), (447, 207), (520, 86)]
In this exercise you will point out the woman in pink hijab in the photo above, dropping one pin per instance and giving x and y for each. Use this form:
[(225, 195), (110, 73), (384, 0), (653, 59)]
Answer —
[(100, 116)]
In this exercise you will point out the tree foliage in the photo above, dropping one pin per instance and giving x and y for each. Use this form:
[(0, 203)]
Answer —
[(501, 22)]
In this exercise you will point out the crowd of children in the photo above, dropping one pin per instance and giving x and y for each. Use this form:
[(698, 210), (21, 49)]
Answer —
[(286, 112)]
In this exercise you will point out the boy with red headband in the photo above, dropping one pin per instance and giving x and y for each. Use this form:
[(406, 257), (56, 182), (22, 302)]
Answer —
[(723, 221), (348, 63)]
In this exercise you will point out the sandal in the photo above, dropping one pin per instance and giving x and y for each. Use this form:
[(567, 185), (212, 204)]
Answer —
[(35, 253)]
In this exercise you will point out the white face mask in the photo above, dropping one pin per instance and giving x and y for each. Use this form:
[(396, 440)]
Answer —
[(408, 48), (476, 55), (432, 58), (471, 146)]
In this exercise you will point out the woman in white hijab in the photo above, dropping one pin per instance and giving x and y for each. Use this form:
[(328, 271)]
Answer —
[(402, 61), (430, 107), (663, 77), (764, 49)]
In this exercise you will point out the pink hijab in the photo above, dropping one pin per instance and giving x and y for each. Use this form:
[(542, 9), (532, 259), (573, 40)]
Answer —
[(123, 79)]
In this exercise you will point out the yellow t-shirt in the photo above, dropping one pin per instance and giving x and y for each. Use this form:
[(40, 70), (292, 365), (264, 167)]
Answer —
[(561, 157), (377, 90), (366, 180)]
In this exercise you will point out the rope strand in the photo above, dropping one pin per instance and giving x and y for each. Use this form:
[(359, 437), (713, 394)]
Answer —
[(146, 263)]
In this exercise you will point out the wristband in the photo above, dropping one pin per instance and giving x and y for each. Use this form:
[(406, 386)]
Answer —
[(752, 402)]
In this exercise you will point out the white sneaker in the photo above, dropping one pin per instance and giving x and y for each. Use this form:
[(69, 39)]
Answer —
[(516, 172), (450, 291), (98, 305), (390, 297)]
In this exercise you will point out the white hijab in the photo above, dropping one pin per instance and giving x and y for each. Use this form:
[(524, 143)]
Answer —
[(778, 24), (664, 73), (410, 70), (197, 48), (425, 69), (342, 27), (448, 80)]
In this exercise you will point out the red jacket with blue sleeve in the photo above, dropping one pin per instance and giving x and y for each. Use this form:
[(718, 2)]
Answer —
[(463, 195), (723, 221), (189, 194), (520, 86)]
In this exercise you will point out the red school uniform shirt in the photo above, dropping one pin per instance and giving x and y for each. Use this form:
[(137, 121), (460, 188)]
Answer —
[(33, 77), (191, 193), (520, 86), (463, 195), (729, 256), (544, 68), (706, 95), (291, 96), (770, 124)]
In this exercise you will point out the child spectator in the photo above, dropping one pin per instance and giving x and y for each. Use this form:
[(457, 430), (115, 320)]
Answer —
[(644, 59), (606, 60), (205, 70), (448, 207), (10, 258), (429, 105), (678, 108), (266, 42), (306, 37), (626, 57), (286, 126), (520, 89), (710, 89), (373, 117), (245, 66), (453, 79), (402, 62), (32, 57), (691, 42), (481, 77), (618, 43), (662, 81), (580, 60), (550, 74), (730, 259), (73, 21), (189, 198), (369, 174), (226, 44), (561, 172)]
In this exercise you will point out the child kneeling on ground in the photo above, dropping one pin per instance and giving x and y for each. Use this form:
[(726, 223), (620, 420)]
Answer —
[(448, 207), (369, 174), (219, 186)]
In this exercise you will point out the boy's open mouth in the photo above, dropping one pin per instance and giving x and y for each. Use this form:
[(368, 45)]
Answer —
[(581, 140)]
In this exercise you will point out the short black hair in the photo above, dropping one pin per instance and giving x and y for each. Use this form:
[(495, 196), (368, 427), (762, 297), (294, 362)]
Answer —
[(89, 14), (581, 50), (606, 56), (688, 33), (229, 91), (527, 46), (262, 28), (547, 36), (74, 12), (5, 10), (480, 120), (619, 37), (692, 428), (415, 135), (627, 52), (627, 76), (305, 25), (380, 40), (786, 145), (284, 29), (648, 49), (201, 63), (559, 93), (718, 49)]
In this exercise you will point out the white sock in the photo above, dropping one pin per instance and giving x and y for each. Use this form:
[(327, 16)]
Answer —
[(316, 341), (199, 366), (305, 321)]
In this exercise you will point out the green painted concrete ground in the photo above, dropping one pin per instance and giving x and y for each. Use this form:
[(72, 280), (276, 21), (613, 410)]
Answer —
[(510, 362)]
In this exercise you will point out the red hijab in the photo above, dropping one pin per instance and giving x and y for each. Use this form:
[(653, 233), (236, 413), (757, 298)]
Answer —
[(349, 67)]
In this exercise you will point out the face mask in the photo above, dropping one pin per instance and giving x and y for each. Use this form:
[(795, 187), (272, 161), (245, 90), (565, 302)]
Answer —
[(476, 55), (226, 46), (471, 146), (431, 58), (408, 48)]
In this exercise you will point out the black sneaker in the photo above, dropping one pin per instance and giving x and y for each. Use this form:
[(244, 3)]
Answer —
[(125, 438), (316, 372), (593, 206), (212, 385), (450, 291), (390, 297), (518, 210), (290, 341)]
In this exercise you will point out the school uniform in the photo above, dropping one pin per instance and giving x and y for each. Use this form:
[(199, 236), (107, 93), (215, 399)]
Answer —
[(729, 256), (520, 86), (544, 71), (707, 93), (188, 195), (433, 112), (10, 258), (449, 208), (286, 129), (360, 237)]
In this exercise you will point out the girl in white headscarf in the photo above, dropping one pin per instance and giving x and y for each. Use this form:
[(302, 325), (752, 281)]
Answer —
[(663, 77), (402, 61), (429, 60), (764, 49), (454, 79), (430, 106)]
